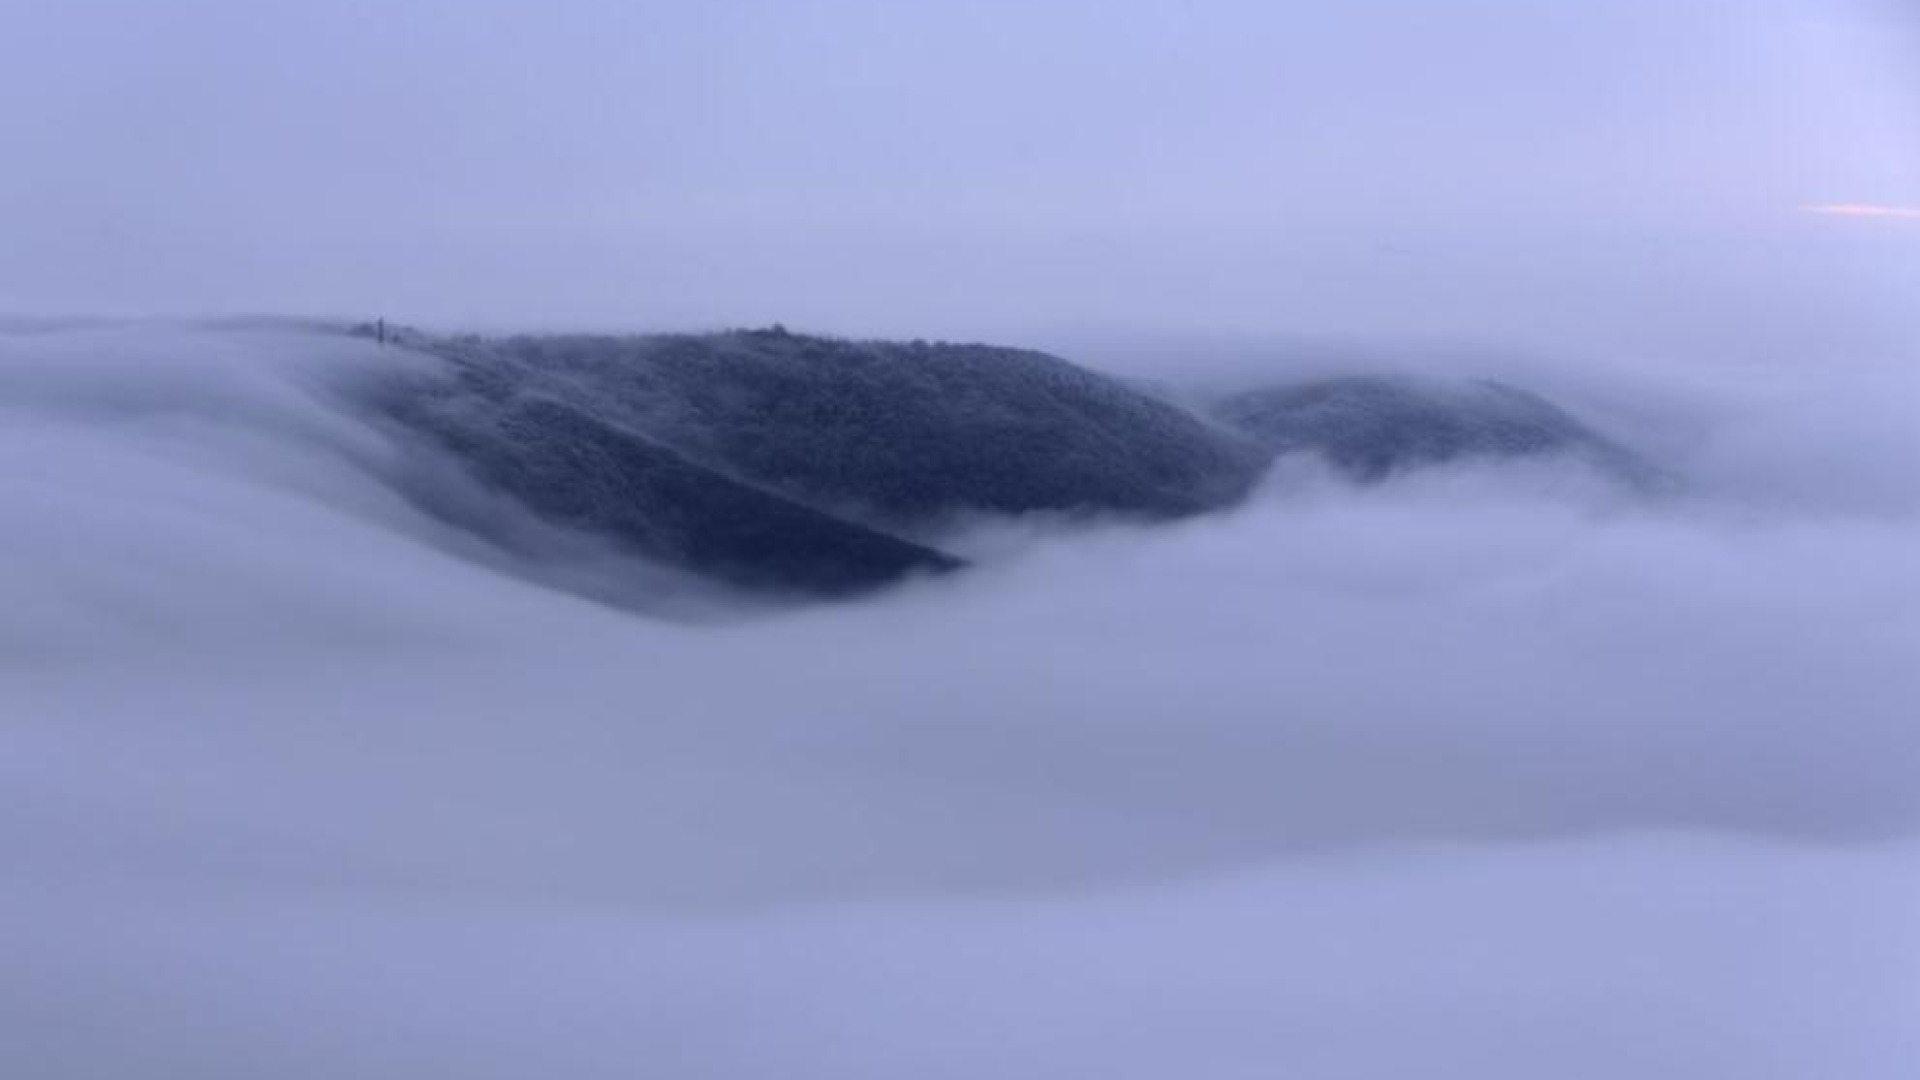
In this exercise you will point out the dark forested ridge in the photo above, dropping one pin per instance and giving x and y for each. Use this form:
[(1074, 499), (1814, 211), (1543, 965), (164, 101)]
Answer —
[(575, 469), (807, 464), (904, 435)]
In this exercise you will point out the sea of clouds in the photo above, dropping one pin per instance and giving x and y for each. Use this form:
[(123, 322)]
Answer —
[(1487, 771)]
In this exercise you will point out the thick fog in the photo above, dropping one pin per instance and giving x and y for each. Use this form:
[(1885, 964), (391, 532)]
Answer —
[(1493, 769), (1489, 770)]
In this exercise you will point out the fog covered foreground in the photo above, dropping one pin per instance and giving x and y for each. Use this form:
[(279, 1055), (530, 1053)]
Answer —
[(1486, 772)]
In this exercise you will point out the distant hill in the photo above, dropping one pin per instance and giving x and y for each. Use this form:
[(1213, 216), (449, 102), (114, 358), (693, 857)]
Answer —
[(800, 464), (1374, 426), (778, 460), (906, 435)]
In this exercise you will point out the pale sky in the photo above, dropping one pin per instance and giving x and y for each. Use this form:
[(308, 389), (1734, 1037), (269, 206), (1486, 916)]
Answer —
[(1491, 168)]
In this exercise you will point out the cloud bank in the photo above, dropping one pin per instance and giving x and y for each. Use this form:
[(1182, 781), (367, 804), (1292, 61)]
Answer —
[(1488, 770)]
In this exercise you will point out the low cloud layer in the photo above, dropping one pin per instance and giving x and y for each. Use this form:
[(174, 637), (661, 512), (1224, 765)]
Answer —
[(1487, 770)]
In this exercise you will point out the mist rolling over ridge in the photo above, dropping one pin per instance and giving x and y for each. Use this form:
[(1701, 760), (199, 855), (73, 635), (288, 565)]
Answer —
[(253, 676), (842, 540)]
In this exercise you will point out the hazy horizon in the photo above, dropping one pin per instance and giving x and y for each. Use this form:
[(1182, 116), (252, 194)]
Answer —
[(1490, 170)]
